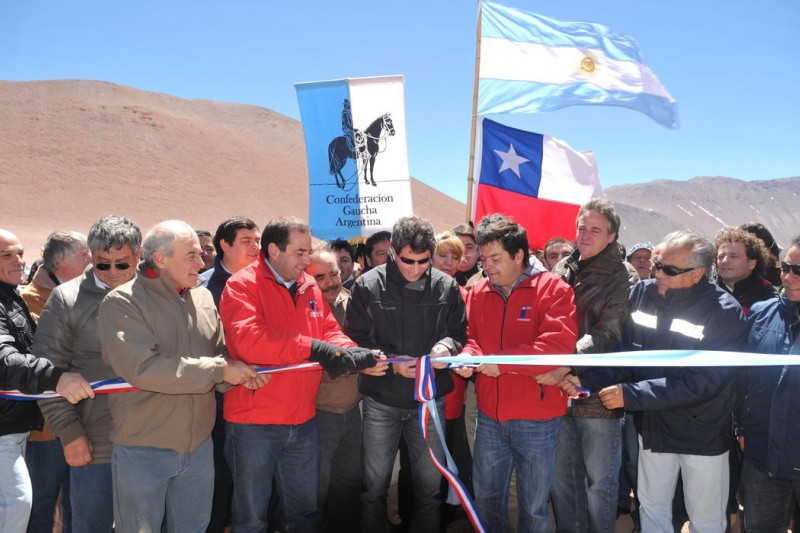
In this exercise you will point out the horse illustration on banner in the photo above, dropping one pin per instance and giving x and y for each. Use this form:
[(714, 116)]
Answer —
[(361, 146)]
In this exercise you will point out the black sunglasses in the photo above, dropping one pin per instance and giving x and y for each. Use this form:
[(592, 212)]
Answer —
[(408, 261), (786, 267), (102, 267), (670, 270)]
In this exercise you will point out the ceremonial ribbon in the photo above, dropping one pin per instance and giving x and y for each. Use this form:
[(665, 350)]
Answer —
[(642, 358), (425, 394)]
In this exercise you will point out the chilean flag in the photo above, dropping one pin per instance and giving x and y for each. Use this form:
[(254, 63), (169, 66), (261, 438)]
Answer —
[(539, 181)]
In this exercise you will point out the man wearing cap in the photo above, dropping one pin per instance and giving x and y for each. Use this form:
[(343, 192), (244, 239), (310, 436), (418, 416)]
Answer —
[(639, 256)]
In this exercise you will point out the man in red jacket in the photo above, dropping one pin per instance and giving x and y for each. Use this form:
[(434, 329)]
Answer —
[(275, 314), (516, 310)]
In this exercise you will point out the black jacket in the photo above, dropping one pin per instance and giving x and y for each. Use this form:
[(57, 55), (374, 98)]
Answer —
[(18, 368), (401, 318), (601, 288), (217, 281), (683, 410), (750, 290)]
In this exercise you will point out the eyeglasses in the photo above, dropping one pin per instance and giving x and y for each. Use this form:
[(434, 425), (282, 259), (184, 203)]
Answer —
[(409, 261), (670, 270), (102, 267), (786, 268)]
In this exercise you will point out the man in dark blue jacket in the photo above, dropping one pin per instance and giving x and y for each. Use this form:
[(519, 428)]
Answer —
[(683, 415), (770, 432)]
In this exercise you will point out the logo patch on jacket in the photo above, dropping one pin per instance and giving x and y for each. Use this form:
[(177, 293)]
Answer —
[(315, 312), (523, 313)]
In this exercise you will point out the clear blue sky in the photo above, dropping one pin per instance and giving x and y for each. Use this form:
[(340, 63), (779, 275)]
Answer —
[(732, 65)]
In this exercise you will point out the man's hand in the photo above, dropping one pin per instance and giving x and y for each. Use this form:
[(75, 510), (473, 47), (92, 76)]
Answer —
[(408, 369), (73, 387), (570, 384), (379, 369), (463, 371), (439, 350), (612, 397), (257, 382), (740, 440), (489, 370), (554, 377), (79, 452), (238, 373)]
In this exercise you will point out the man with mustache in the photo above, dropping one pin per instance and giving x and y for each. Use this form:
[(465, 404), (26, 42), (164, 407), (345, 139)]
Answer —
[(338, 415)]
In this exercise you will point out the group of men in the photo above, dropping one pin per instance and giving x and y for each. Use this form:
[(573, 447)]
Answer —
[(216, 424)]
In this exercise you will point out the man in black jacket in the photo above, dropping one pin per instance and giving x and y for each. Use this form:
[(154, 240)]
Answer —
[(31, 375), (741, 259), (404, 308)]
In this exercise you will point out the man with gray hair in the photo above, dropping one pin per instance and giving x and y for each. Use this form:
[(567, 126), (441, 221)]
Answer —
[(64, 257), (683, 414), (162, 334), (67, 335)]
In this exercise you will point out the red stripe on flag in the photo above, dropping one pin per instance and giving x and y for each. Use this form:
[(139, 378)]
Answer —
[(542, 219)]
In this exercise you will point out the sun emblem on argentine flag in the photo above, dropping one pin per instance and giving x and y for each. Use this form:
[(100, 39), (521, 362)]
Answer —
[(588, 64)]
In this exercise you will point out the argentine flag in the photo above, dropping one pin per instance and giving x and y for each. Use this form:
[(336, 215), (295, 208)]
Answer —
[(530, 63)]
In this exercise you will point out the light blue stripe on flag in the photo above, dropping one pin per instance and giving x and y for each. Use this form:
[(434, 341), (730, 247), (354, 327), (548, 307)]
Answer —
[(321, 105), (531, 63)]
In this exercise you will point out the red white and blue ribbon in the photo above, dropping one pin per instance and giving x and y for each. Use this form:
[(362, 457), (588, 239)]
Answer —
[(425, 394)]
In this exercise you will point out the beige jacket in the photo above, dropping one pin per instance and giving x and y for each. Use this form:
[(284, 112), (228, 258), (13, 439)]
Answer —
[(171, 347)]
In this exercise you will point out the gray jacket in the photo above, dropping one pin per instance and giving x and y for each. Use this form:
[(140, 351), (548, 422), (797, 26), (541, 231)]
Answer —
[(67, 335)]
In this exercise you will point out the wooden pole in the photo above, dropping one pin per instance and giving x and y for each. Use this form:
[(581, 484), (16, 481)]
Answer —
[(470, 170)]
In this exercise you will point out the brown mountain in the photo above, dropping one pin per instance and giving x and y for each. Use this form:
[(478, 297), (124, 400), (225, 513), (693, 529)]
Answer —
[(705, 204), (74, 151)]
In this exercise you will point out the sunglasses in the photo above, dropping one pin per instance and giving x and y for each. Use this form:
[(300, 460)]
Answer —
[(409, 261), (102, 267), (786, 268), (670, 270)]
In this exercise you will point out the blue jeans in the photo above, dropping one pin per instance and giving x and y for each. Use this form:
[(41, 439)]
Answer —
[(93, 500), (256, 454), (630, 458), (586, 478), (383, 426), (150, 483), (15, 488), (768, 502), (49, 475), (526, 446), (340, 473)]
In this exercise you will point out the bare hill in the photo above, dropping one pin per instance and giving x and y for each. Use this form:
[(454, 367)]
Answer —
[(705, 204), (74, 151)]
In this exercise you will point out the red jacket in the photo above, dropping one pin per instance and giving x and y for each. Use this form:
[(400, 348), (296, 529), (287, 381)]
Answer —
[(266, 326), (538, 318)]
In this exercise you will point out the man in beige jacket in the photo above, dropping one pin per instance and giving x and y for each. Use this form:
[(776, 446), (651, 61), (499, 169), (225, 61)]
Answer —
[(161, 333)]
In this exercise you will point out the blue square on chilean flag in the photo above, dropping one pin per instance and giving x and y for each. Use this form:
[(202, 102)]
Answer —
[(511, 159)]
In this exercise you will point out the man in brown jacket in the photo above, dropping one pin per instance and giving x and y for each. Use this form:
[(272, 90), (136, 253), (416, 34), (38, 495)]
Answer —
[(161, 333), (338, 417)]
